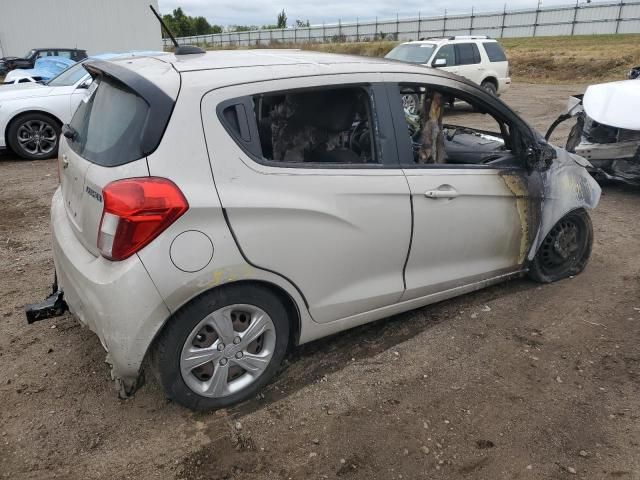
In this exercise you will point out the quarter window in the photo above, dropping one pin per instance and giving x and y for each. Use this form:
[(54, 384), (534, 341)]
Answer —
[(494, 52)]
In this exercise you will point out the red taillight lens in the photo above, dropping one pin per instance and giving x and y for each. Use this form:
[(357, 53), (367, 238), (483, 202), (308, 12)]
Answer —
[(137, 210)]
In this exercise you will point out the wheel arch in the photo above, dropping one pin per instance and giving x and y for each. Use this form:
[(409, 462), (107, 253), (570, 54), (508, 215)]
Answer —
[(287, 300), (22, 113), (491, 78)]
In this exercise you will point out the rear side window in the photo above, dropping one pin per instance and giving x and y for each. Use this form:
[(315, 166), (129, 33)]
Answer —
[(109, 124), (328, 126), (467, 54), (494, 52)]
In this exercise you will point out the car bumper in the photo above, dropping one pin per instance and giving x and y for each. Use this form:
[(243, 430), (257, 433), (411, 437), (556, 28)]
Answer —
[(503, 85), (116, 300)]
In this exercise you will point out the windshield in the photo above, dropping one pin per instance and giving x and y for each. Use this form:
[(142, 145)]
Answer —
[(412, 52), (68, 77)]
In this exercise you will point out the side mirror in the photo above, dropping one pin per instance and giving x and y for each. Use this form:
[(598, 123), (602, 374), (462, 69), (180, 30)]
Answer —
[(439, 62), (86, 84)]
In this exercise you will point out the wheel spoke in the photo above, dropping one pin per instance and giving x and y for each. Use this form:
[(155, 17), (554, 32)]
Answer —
[(252, 363), (218, 383), (195, 357), (257, 327), (221, 322)]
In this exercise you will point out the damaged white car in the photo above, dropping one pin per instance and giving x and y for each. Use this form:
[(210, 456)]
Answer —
[(607, 129), (217, 209)]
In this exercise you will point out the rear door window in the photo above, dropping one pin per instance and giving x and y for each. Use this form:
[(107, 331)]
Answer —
[(109, 124), (494, 52), (467, 54)]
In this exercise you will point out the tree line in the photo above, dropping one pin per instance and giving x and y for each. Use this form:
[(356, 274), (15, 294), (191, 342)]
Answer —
[(182, 25)]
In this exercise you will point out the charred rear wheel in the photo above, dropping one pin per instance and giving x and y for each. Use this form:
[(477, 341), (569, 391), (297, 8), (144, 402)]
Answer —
[(34, 136), (222, 347), (565, 250)]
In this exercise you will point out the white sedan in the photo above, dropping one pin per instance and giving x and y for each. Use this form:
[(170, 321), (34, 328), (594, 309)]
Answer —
[(32, 114)]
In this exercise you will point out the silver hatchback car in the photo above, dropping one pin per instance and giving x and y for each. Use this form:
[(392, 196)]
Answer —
[(216, 209)]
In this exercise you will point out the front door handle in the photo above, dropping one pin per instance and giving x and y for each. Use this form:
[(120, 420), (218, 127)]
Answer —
[(443, 191)]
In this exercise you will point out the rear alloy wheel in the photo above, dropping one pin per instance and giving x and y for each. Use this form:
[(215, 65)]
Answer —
[(34, 136), (222, 348), (565, 250), (489, 87)]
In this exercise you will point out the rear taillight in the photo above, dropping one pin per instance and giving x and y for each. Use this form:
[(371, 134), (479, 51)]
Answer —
[(137, 210)]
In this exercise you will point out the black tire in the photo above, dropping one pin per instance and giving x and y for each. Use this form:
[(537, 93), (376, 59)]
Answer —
[(566, 249), (44, 131), (168, 348), (489, 87)]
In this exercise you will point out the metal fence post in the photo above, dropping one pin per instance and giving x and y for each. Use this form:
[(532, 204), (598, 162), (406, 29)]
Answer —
[(471, 24), (575, 18), (444, 23), (619, 16), (504, 17), (357, 29), (419, 25), (339, 30), (535, 23), (375, 32), (397, 26), (324, 34)]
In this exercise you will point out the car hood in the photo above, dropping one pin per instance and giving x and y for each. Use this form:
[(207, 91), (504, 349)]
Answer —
[(24, 90), (615, 104), (4, 59)]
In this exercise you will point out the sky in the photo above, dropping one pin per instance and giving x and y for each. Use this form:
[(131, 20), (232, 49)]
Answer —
[(261, 12)]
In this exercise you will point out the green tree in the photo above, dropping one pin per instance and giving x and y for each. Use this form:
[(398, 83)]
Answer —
[(302, 23), (182, 25), (282, 20)]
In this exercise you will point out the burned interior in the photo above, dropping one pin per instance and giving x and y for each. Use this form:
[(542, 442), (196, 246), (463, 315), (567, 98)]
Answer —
[(442, 131), (316, 126)]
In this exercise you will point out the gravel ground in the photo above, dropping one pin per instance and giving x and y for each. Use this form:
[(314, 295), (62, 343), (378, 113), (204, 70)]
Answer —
[(518, 381)]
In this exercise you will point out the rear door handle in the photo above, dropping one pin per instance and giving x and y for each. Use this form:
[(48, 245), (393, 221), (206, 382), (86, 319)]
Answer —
[(443, 191)]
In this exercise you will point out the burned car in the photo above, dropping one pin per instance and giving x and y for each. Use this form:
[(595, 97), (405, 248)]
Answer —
[(607, 129), (217, 209)]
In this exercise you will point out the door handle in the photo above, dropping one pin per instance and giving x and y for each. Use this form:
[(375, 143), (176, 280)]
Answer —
[(443, 191)]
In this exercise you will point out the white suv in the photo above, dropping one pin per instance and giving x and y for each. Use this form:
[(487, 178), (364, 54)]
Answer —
[(478, 58), (216, 209)]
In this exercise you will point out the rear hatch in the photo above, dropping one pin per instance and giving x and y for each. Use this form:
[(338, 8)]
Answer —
[(119, 122)]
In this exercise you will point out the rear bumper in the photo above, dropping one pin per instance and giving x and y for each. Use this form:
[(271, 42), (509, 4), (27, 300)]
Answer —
[(503, 84), (116, 300)]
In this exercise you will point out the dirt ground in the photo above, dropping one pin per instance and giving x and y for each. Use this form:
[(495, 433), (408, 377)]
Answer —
[(518, 381)]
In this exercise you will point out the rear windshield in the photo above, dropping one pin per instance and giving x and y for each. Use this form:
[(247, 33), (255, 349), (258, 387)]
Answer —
[(412, 52), (109, 124), (494, 52)]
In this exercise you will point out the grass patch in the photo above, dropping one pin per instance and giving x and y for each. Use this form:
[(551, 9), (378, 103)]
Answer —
[(583, 58)]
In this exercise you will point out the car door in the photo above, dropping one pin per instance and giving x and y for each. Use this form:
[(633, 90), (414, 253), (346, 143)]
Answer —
[(335, 226), (472, 221)]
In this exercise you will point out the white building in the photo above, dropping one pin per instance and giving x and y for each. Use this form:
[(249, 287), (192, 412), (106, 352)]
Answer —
[(94, 25)]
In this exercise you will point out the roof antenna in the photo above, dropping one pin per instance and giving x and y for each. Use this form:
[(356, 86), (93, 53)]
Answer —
[(180, 49)]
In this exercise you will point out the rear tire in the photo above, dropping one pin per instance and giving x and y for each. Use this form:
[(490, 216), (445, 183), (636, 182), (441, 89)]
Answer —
[(34, 136), (218, 326), (566, 249), (489, 87)]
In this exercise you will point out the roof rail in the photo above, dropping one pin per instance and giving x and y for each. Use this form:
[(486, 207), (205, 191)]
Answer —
[(470, 37)]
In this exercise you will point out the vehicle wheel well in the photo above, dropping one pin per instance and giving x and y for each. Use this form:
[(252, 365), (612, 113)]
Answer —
[(493, 80), (22, 114), (288, 303)]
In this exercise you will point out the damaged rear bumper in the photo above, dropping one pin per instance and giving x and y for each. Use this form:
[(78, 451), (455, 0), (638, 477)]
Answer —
[(116, 300)]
